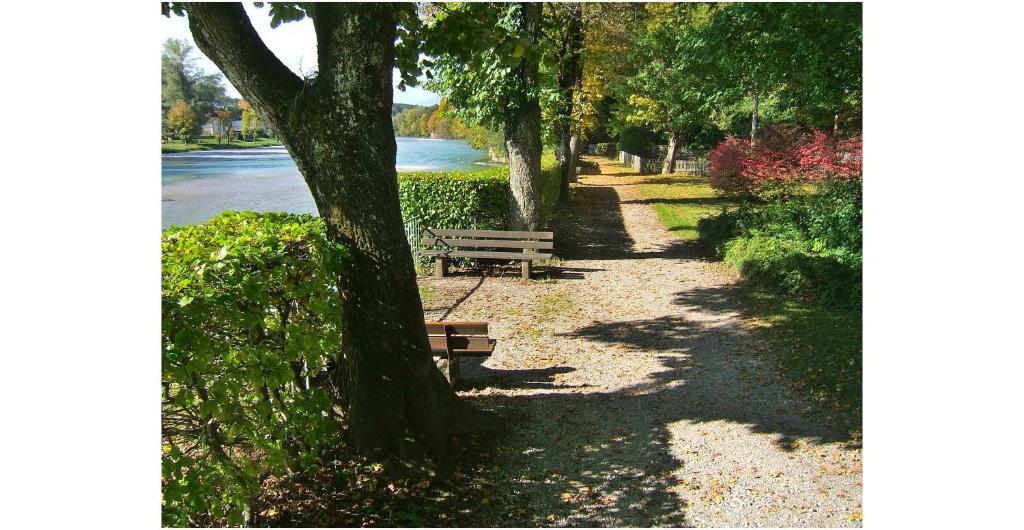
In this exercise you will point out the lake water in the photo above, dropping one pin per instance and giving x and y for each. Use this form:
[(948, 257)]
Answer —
[(199, 185)]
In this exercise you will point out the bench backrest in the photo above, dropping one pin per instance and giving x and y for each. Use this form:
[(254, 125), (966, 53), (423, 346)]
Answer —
[(458, 335), (487, 238)]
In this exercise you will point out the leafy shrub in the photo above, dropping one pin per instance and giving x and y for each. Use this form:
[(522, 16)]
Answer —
[(808, 246), (726, 161), (782, 160), (714, 231), (823, 158), (606, 149), (456, 199), (550, 185), (249, 323), (472, 200), (637, 141)]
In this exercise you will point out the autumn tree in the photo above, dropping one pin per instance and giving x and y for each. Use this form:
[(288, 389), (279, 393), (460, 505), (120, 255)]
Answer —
[(181, 121), (226, 120), (337, 128), (669, 91)]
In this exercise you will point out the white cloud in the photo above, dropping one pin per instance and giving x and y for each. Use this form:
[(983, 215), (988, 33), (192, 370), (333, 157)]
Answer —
[(294, 43)]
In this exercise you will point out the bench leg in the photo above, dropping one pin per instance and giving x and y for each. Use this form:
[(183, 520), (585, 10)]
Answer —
[(440, 266), (453, 370), (526, 269)]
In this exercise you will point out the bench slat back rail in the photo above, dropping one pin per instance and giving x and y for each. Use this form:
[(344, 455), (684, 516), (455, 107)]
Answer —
[(458, 328), (454, 340), (493, 234), (485, 243), (467, 244)]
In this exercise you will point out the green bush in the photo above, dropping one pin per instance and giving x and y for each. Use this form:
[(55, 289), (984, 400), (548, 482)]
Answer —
[(473, 200), (637, 141), (249, 322), (550, 186), (716, 230), (808, 246), (606, 149), (477, 200)]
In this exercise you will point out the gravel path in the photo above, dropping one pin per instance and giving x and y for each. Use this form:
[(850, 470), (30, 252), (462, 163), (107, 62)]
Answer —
[(638, 394)]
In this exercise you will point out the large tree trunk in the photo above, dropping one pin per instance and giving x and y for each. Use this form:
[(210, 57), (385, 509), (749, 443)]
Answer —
[(669, 166), (338, 130), (753, 122), (522, 132)]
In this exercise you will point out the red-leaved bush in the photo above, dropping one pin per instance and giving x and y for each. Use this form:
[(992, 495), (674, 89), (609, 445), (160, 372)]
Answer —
[(727, 166), (783, 157), (823, 158)]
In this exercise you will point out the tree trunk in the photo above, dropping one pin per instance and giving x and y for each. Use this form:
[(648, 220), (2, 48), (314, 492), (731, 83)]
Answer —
[(522, 139), (564, 145), (835, 125), (570, 72), (574, 154), (753, 123), (522, 132), (669, 166), (338, 130)]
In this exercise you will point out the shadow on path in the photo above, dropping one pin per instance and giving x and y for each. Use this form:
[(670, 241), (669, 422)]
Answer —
[(594, 456)]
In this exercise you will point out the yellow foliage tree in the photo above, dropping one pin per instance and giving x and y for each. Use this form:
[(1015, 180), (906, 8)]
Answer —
[(181, 121)]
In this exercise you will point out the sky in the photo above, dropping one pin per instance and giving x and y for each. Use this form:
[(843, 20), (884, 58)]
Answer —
[(294, 43)]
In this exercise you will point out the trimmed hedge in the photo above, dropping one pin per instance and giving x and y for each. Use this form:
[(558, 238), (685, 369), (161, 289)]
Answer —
[(249, 322), (474, 200), (456, 199), (550, 186)]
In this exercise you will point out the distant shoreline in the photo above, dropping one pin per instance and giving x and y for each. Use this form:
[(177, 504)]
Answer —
[(209, 144)]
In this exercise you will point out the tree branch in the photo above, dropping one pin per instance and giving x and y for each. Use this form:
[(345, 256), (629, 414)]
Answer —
[(224, 33)]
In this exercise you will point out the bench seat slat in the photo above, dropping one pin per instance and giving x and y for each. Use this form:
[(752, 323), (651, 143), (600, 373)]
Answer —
[(484, 254), (486, 243), (463, 346), (458, 328), (492, 234)]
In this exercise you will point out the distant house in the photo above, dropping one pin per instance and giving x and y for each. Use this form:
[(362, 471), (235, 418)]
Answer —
[(213, 127)]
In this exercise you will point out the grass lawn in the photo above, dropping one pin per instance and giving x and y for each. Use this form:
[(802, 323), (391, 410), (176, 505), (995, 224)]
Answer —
[(819, 349), (680, 200), (207, 144)]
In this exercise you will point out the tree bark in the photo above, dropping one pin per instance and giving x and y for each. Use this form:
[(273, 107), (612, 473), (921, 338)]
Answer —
[(522, 131), (338, 130), (570, 72), (574, 154), (753, 122), (669, 166)]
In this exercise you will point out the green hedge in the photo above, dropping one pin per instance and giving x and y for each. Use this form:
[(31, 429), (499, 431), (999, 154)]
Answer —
[(478, 200), (550, 186), (249, 321), (456, 199)]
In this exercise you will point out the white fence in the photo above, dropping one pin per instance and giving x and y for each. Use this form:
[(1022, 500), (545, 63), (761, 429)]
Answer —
[(692, 162), (413, 234)]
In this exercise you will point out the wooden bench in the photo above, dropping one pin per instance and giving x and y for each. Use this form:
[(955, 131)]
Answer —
[(454, 340), (485, 244)]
